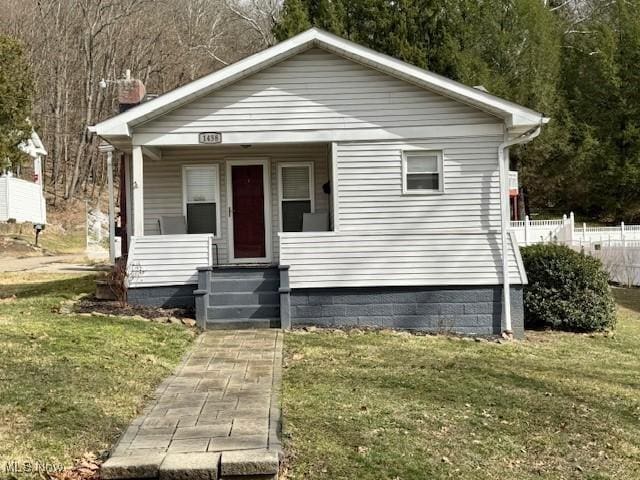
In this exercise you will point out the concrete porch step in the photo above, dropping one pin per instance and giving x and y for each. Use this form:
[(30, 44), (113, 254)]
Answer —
[(245, 272), (244, 285), (244, 312), (236, 324), (243, 298)]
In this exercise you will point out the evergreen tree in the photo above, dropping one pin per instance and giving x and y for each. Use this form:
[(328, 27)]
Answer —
[(511, 47), (602, 86), (16, 93)]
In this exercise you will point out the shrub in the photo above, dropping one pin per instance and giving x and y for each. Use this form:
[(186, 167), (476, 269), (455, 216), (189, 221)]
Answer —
[(567, 290), (117, 281)]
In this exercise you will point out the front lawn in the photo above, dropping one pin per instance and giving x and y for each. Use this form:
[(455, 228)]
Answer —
[(378, 405), (70, 383)]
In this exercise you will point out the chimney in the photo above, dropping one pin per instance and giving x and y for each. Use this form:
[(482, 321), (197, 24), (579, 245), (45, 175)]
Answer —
[(131, 92)]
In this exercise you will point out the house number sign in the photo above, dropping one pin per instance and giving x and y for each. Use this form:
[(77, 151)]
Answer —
[(210, 137)]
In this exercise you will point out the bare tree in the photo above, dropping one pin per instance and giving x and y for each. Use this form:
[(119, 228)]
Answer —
[(72, 44)]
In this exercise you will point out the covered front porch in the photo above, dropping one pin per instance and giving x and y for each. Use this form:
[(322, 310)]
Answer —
[(202, 206)]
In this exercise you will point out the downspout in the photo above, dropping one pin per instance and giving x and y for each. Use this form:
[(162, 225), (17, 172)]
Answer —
[(504, 216)]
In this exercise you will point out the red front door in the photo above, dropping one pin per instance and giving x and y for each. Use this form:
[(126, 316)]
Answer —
[(248, 211)]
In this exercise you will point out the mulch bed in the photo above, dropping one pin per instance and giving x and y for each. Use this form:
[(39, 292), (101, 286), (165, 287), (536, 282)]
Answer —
[(110, 307)]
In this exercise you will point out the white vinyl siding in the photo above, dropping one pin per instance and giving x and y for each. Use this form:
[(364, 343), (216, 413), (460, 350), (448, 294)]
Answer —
[(375, 259), (295, 183), (316, 90), (163, 182), (387, 238), (22, 201), (370, 186), (167, 260), (386, 235)]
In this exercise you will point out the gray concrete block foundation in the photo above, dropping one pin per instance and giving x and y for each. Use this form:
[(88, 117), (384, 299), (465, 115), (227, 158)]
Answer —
[(177, 296), (466, 310)]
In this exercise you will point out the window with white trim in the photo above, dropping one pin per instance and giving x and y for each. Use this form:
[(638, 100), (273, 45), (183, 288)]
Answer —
[(201, 195), (295, 187), (422, 171)]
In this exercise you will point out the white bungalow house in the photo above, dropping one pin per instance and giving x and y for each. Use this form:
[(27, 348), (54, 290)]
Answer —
[(23, 200), (320, 182)]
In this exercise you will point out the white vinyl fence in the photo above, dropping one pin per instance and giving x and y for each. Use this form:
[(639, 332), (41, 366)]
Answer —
[(21, 201), (564, 230), (618, 247)]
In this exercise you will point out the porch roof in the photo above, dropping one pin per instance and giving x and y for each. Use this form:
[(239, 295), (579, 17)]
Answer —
[(516, 117)]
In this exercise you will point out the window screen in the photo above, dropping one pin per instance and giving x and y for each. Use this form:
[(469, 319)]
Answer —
[(423, 171), (295, 191), (201, 199)]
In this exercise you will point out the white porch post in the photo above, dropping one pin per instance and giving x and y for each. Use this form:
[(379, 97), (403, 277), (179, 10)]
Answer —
[(334, 187), (108, 149), (128, 191), (138, 191)]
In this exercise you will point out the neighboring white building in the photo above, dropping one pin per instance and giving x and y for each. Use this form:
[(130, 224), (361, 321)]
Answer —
[(23, 200), (379, 189)]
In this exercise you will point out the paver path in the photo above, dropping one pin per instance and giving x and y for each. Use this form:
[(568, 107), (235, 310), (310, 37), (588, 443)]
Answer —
[(224, 398)]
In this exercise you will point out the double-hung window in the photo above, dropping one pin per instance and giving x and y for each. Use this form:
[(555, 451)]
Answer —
[(295, 186), (422, 171), (201, 193)]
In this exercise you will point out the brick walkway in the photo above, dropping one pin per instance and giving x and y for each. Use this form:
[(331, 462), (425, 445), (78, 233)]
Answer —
[(218, 416)]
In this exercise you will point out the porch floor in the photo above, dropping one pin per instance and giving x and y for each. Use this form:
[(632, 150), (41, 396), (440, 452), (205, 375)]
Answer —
[(218, 416)]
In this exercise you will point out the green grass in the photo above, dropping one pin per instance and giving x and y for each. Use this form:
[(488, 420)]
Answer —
[(70, 242), (73, 242), (69, 384), (384, 406)]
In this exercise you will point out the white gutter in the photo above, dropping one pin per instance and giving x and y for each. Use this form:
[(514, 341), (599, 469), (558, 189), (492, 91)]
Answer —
[(503, 158)]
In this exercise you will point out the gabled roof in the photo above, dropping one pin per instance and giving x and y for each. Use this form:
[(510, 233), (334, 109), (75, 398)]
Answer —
[(515, 116)]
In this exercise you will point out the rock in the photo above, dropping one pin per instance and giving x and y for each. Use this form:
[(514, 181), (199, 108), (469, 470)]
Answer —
[(139, 317), (175, 320), (310, 329), (190, 322), (161, 319)]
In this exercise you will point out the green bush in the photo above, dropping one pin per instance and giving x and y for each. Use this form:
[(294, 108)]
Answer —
[(567, 290)]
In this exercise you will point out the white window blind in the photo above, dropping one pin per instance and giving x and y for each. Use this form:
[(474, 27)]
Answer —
[(202, 184), (296, 194), (295, 183)]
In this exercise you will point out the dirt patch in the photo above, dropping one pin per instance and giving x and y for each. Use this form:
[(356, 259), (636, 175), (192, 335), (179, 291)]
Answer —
[(109, 307), (14, 246)]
